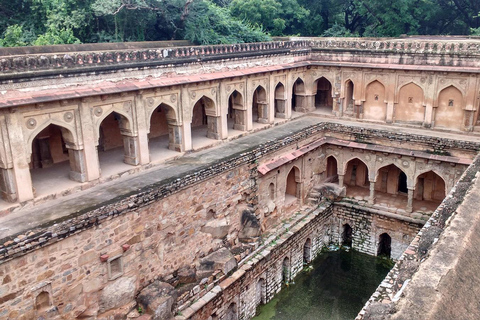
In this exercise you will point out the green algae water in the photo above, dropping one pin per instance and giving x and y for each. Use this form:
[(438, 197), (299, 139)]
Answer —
[(337, 287)]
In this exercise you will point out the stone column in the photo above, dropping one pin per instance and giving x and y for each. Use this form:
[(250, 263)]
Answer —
[(304, 103), (175, 138), (263, 112), (186, 136), (143, 125), (78, 170), (214, 127), (280, 105), (409, 208), (340, 180), (92, 166), (130, 145), (371, 199), (8, 187)]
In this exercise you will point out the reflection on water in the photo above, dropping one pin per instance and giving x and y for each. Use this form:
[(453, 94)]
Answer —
[(337, 288)]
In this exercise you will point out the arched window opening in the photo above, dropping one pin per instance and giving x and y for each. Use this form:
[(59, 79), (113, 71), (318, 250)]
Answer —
[(402, 182), (384, 245), (286, 270), (323, 98), (236, 113), (161, 137), (280, 101), (53, 160), (332, 170), (260, 292), (349, 101), (307, 251), (260, 106), (298, 96), (347, 235)]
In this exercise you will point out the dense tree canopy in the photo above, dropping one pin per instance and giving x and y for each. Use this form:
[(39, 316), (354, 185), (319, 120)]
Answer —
[(42, 22)]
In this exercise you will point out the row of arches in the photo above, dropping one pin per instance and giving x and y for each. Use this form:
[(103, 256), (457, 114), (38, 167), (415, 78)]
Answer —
[(390, 180)]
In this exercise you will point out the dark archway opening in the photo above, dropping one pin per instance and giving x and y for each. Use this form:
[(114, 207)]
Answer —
[(402, 182), (307, 251), (323, 98), (286, 270), (347, 235), (332, 170), (384, 245)]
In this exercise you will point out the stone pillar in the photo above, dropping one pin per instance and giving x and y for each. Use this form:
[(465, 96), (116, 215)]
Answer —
[(44, 152), (175, 138), (371, 199), (92, 166), (428, 121), (78, 170), (409, 208), (186, 130), (143, 125), (390, 109), (340, 180), (214, 127), (21, 169), (305, 103), (224, 126), (8, 187), (263, 112), (240, 119), (280, 108), (130, 145)]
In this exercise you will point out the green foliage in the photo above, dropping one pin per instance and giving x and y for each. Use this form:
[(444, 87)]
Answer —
[(13, 37), (211, 24), (338, 30)]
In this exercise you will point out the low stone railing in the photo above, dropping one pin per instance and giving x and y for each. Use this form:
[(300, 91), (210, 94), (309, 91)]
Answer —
[(58, 61)]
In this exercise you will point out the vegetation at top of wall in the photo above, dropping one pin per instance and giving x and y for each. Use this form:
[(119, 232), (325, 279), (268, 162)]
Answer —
[(45, 22)]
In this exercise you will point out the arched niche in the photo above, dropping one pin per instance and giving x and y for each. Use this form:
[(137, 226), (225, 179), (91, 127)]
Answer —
[(236, 116), (332, 169), (280, 101), (374, 107), (286, 274), (410, 107), (450, 112), (323, 97), (260, 292), (292, 185), (307, 251), (349, 101), (347, 235)]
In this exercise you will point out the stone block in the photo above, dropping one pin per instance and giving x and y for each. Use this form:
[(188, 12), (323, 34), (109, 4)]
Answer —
[(219, 260), (157, 300), (218, 228), (117, 293), (186, 275)]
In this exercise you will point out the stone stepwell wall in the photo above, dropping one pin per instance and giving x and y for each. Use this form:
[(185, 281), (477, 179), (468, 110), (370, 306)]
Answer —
[(265, 266), (367, 225), (391, 288)]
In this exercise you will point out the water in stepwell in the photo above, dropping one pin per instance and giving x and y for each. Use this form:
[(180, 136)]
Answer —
[(337, 286)]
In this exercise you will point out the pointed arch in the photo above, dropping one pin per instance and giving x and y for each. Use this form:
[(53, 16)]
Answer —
[(299, 104), (450, 111), (169, 114), (324, 95), (280, 100), (410, 106), (204, 120), (68, 133), (260, 105), (125, 123), (430, 186), (384, 245), (349, 94), (332, 169), (391, 179), (375, 107), (347, 235), (292, 182), (356, 173), (236, 115), (286, 274)]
